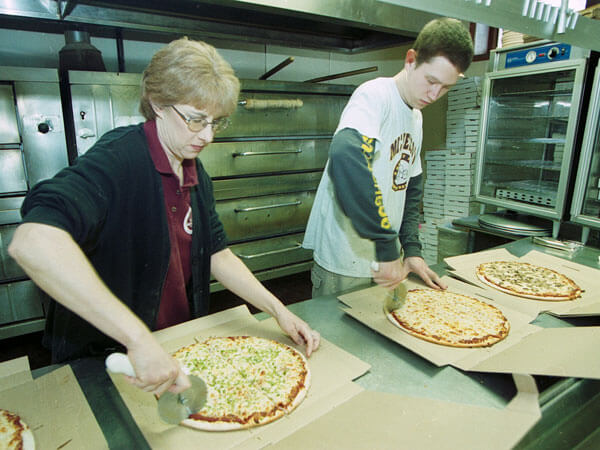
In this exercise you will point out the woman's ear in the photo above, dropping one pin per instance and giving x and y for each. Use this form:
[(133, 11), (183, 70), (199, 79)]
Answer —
[(156, 108)]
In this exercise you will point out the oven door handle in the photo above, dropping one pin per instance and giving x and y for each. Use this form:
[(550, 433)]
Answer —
[(258, 208), (281, 152), (272, 252)]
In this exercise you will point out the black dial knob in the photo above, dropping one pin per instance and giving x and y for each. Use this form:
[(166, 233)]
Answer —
[(553, 53), (43, 127)]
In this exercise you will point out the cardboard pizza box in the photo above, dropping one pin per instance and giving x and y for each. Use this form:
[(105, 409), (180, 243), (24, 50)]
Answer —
[(332, 371), (588, 278), (528, 349), (52, 405), (390, 421)]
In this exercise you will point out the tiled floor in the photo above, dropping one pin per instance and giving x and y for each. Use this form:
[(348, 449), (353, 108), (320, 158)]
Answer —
[(289, 289)]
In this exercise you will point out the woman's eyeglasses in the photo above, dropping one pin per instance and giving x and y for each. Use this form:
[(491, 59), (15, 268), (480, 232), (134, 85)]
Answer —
[(197, 124)]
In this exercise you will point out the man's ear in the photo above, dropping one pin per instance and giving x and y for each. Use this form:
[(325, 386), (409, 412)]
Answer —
[(410, 62)]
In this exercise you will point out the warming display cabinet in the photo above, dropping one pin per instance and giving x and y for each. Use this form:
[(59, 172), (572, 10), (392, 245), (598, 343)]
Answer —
[(531, 105), (585, 208)]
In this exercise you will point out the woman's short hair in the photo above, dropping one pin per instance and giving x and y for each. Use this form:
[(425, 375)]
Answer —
[(445, 37), (191, 73)]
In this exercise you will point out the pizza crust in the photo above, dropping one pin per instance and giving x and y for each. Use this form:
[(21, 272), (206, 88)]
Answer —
[(14, 432), (450, 319), (500, 275)]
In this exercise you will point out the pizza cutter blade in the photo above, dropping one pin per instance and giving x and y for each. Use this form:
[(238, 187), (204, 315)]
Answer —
[(394, 300), (172, 408)]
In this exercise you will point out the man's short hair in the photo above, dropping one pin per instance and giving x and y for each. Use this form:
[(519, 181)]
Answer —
[(445, 37)]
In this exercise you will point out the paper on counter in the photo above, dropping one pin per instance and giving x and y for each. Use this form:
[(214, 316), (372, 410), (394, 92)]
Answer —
[(388, 421), (53, 406)]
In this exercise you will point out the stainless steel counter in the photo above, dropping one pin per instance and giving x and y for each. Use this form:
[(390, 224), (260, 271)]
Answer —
[(395, 369)]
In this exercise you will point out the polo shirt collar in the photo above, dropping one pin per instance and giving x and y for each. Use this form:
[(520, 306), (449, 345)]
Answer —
[(161, 162)]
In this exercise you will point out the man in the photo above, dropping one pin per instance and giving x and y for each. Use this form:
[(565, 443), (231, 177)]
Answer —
[(367, 205), (125, 240)]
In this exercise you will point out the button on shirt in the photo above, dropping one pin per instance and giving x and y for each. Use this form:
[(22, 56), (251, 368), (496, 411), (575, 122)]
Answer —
[(174, 307)]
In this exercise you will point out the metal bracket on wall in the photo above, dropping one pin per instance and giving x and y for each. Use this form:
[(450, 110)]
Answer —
[(560, 17)]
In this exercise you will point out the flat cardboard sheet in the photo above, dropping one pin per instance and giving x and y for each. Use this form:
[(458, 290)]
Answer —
[(528, 349), (53, 406), (588, 278), (332, 372), (388, 421)]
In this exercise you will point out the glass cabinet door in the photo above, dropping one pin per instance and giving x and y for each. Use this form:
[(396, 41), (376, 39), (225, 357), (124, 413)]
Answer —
[(586, 202), (527, 140)]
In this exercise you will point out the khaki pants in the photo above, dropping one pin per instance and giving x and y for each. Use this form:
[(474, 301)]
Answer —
[(327, 283)]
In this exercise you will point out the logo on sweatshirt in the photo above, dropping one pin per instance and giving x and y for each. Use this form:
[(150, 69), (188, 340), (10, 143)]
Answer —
[(404, 146), (368, 148)]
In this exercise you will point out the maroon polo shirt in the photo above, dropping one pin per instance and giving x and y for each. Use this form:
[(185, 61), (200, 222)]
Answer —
[(174, 307)]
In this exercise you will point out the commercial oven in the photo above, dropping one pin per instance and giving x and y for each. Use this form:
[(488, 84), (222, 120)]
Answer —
[(585, 209), (531, 107), (265, 166), (32, 148)]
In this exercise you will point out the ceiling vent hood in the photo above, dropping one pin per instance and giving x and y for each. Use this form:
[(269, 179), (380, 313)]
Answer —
[(346, 26)]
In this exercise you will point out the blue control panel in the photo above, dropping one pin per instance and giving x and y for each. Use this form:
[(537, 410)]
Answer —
[(538, 55)]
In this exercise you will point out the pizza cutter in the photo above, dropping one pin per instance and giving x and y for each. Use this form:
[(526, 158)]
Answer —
[(394, 300), (172, 408)]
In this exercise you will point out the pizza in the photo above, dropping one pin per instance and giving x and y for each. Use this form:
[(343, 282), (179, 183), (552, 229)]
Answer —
[(447, 318), (528, 280), (250, 381), (14, 432)]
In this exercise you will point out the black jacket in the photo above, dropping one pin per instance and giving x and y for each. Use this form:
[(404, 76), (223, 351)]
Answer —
[(111, 201)]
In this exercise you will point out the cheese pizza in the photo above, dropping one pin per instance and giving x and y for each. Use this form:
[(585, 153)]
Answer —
[(528, 280), (250, 381), (14, 432), (447, 318)]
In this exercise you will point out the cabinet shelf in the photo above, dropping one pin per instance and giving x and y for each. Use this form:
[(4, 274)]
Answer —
[(531, 164), (544, 93), (528, 140)]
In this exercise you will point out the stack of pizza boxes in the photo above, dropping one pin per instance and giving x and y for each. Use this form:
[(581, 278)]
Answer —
[(433, 202), (462, 134), (450, 171)]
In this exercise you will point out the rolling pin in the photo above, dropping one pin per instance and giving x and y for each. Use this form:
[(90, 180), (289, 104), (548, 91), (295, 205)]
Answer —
[(253, 103)]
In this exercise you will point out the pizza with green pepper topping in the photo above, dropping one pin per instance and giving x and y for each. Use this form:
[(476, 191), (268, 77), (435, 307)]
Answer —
[(251, 381)]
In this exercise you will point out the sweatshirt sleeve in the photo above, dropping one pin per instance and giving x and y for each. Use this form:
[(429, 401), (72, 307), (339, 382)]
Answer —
[(409, 230), (358, 193)]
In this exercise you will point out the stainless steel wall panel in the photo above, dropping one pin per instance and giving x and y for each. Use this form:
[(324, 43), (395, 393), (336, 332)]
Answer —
[(12, 171), (98, 108), (20, 301), (223, 159), (9, 130), (264, 216), (44, 144)]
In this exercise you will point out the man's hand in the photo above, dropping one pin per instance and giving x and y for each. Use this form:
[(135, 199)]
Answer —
[(392, 273), (156, 371), (417, 265), (298, 330)]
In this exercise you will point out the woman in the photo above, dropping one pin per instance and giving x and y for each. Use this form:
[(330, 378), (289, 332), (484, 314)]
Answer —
[(125, 240)]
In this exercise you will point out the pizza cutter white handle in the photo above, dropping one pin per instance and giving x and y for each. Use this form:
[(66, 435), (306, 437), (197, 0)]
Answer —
[(120, 363), (375, 266)]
